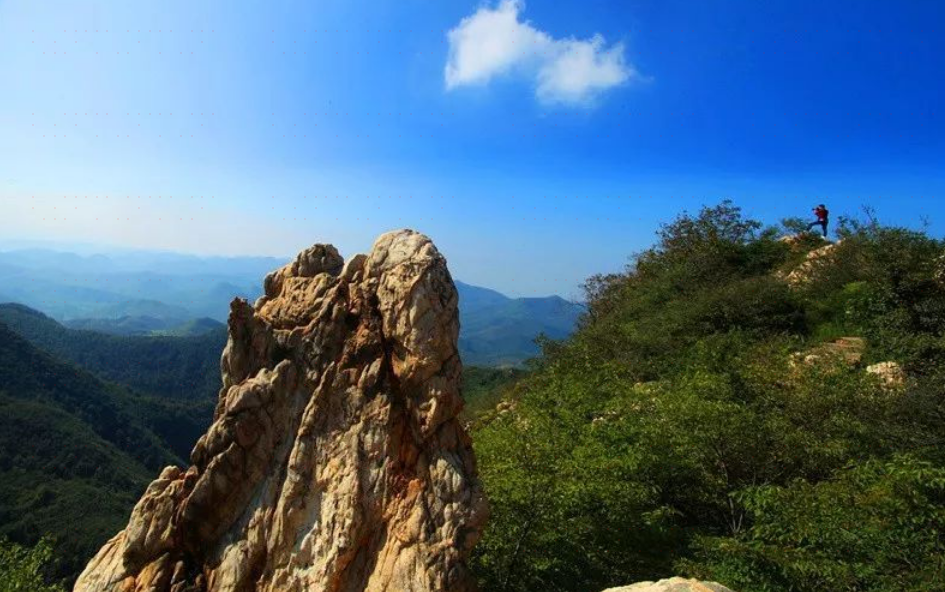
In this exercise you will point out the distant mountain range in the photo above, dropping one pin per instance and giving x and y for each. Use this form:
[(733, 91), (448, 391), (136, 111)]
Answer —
[(170, 287), (134, 293), (496, 330), (146, 325)]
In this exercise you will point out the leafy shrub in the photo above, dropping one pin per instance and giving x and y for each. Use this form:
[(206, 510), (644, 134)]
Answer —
[(25, 569), (884, 281), (875, 527), (676, 432)]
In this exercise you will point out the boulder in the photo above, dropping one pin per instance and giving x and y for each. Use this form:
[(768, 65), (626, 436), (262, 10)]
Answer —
[(672, 585)]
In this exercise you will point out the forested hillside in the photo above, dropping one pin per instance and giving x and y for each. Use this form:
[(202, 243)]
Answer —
[(74, 452), (186, 368), (764, 413), (496, 330)]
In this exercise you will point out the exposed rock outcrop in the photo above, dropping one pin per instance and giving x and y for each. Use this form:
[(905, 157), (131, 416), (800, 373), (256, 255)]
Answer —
[(335, 461), (815, 261), (890, 374), (673, 585), (848, 350)]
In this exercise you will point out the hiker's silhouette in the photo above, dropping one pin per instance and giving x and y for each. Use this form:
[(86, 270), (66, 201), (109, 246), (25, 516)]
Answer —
[(822, 219)]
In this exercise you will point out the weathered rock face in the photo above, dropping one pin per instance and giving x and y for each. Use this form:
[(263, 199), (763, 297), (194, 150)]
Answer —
[(673, 585), (335, 461)]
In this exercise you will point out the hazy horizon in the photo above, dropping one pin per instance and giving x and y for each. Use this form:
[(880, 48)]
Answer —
[(113, 253)]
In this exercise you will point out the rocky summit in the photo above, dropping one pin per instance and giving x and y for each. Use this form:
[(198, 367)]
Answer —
[(335, 461)]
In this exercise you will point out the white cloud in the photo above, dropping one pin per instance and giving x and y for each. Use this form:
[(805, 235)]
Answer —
[(494, 42)]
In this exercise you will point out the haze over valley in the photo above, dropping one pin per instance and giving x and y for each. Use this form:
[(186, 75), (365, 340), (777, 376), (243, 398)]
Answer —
[(157, 293)]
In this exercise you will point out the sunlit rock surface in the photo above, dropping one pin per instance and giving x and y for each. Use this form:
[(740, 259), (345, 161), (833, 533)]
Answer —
[(335, 461)]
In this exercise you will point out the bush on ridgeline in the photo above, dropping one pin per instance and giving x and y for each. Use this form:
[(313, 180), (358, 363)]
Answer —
[(25, 569), (676, 432), (707, 274)]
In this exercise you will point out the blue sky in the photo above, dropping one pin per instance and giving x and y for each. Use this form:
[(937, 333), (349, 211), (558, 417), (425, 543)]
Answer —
[(536, 143)]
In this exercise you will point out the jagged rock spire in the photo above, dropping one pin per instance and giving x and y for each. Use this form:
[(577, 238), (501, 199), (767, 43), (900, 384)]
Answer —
[(335, 461)]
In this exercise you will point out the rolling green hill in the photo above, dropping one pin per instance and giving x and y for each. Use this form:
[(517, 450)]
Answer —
[(193, 327), (126, 325), (185, 368), (75, 452), (146, 326)]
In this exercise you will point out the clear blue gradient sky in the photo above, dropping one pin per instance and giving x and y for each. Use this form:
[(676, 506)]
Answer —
[(251, 128)]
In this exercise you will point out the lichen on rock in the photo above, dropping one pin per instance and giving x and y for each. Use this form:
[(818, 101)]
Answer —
[(335, 461)]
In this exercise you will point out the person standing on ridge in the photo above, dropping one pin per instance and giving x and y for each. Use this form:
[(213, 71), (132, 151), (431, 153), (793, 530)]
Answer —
[(822, 219)]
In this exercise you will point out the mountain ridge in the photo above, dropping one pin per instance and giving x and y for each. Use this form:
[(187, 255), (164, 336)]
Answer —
[(100, 295), (181, 368)]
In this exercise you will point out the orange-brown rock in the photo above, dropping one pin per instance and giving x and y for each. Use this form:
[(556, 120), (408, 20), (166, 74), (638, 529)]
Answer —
[(335, 461)]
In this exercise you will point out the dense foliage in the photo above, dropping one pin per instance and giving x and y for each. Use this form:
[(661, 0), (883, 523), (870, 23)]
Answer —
[(75, 452), (23, 569), (678, 431), (186, 368), (484, 387), (877, 526)]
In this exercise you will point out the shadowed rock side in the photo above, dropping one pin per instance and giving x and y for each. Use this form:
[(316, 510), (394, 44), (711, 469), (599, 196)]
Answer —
[(335, 461)]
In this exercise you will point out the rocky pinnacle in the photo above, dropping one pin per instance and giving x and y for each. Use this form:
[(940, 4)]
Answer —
[(335, 461)]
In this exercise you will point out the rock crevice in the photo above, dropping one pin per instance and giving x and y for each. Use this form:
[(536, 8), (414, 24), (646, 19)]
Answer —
[(335, 461)]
